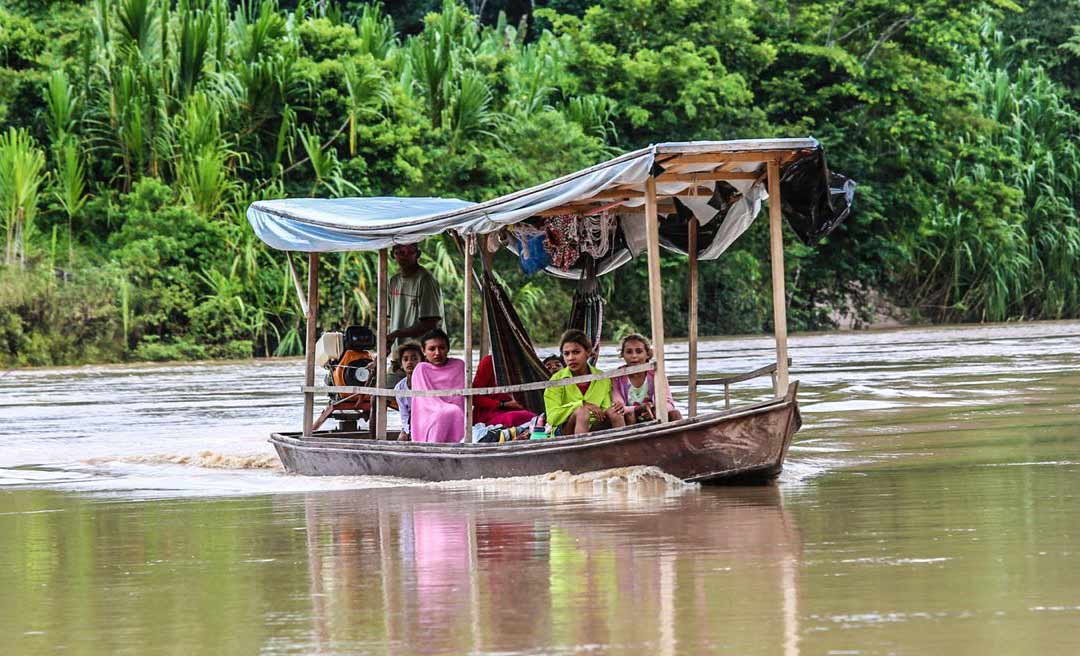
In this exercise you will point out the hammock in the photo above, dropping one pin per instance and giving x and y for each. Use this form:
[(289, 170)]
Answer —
[(512, 350), (587, 308)]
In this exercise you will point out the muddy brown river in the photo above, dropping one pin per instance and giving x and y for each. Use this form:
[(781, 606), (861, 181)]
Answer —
[(930, 505)]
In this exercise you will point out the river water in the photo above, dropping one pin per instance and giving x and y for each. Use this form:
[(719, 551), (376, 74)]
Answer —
[(929, 505)]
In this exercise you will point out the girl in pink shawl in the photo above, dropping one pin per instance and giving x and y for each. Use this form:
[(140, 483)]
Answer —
[(637, 392), (438, 418)]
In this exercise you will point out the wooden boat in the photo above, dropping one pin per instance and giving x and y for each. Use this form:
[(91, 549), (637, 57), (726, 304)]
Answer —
[(742, 445), (745, 443)]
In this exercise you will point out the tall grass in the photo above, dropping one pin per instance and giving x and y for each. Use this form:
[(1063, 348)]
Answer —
[(1004, 243)]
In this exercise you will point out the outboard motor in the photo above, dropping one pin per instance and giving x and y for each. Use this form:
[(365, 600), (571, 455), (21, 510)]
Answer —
[(347, 356), (351, 368)]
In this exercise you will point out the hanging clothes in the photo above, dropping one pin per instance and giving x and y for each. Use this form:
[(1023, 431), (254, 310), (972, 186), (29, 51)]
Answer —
[(563, 241), (530, 247), (597, 232), (534, 257)]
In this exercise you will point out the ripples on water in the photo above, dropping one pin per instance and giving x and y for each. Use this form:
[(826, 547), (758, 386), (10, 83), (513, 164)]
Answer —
[(927, 505)]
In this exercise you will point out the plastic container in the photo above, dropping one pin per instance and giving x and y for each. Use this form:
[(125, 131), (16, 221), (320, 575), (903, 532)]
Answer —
[(539, 430), (329, 348)]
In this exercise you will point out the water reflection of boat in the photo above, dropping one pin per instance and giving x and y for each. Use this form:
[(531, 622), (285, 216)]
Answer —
[(719, 185), (454, 572)]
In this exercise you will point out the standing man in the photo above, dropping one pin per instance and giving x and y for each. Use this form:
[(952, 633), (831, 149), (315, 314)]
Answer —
[(416, 305)]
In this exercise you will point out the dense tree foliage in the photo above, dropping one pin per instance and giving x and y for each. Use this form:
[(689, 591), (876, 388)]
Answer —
[(134, 133)]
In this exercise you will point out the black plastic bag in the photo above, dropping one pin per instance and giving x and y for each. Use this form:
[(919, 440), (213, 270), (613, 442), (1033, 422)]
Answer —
[(814, 200)]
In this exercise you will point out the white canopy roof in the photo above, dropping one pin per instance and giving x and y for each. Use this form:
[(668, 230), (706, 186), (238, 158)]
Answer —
[(688, 171)]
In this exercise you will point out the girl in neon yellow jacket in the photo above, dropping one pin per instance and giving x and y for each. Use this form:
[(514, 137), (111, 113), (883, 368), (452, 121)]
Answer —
[(579, 408)]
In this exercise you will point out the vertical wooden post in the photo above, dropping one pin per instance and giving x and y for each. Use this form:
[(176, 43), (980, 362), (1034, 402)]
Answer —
[(692, 354), (776, 257), (382, 292), (470, 242), (656, 301), (309, 341)]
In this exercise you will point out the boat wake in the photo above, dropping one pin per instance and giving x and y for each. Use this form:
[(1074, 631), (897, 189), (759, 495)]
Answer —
[(640, 480), (204, 459)]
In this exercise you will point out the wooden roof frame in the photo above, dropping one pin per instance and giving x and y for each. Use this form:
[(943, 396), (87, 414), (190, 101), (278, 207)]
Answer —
[(729, 165)]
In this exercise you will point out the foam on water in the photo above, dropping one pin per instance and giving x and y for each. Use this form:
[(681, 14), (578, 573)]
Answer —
[(634, 480), (206, 459)]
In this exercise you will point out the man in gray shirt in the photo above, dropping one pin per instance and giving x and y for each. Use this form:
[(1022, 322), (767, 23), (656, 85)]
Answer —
[(416, 305)]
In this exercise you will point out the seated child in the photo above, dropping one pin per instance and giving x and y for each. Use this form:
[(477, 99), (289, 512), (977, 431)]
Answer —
[(552, 363), (578, 409), (635, 392), (408, 354)]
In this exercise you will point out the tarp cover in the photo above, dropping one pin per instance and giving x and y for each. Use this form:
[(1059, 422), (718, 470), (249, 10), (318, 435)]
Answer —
[(350, 224), (353, 224)]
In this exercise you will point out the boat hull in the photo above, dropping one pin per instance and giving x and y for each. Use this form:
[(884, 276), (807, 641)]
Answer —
[(742, 445)]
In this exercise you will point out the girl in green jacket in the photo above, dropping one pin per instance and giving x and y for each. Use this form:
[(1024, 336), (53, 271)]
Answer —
[(577, 409)]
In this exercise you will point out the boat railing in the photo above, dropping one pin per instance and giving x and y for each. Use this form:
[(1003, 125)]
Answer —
[(728, 381), (479, 391)]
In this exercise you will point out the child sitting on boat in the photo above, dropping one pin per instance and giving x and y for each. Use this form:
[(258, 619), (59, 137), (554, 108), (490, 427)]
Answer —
[(580, 408), (409, 355), (636, 393), (492, 409), (438, 418), (552, 363)]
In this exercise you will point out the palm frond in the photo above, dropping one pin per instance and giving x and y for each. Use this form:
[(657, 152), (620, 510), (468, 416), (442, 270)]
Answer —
[(22, 173)]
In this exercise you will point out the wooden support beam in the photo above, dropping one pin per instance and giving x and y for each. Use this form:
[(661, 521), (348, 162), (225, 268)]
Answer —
[(576, 208), (692, 338), (776, 257), (708, 158), (656, 301), (470, 243), (628, 192), (309, 341), (679, 166), (666, 208), (706, 176), (382, 346)]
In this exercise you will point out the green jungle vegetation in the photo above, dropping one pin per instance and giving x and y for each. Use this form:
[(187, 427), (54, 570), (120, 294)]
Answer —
[(134, 133)]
